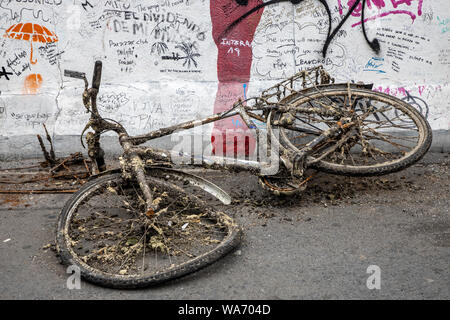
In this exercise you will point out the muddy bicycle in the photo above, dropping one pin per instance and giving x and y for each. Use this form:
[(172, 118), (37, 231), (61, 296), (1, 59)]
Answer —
[(142, 224)]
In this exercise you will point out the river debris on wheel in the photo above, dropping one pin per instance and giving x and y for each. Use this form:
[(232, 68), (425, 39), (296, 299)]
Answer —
[(107, 232)]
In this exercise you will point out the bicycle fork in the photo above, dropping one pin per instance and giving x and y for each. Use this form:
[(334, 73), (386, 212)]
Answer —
[(136, 166)]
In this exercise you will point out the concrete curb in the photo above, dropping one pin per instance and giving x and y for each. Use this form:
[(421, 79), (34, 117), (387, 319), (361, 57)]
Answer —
[(27, 147)]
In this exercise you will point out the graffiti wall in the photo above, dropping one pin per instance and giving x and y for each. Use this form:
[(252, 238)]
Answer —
[(167, 61)]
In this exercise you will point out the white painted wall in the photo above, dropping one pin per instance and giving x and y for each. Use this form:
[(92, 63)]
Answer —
[(145, 91)]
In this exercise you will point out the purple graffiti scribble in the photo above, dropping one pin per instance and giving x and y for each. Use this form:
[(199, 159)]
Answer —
[(381, 4)]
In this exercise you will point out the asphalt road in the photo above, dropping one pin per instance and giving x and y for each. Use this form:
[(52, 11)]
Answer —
[(314, 246)]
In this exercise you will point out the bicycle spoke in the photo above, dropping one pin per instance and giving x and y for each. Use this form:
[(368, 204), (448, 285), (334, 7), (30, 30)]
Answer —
[(307, 123), (386, 132), (109, 233)]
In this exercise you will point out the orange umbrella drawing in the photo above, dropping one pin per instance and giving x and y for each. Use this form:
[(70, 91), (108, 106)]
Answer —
[(30, 32)]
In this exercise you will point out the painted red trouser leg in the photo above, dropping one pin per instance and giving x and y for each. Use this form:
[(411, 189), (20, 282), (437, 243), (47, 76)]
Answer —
[(233, 68)]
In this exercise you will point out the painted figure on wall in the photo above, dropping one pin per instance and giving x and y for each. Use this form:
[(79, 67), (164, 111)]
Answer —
[(233, 69)]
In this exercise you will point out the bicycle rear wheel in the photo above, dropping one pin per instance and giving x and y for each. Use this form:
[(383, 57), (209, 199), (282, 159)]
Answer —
[(390, 135), (100, 231)]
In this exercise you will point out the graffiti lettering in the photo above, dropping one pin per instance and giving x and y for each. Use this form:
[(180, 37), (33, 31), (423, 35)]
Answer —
[(381, 4), (112, 101), (375, 64), (16, 63), (374, 44), (117, 5), (169, 25), (85, 4), (230, 42), (50, 52), (234, 50), (38, 8)]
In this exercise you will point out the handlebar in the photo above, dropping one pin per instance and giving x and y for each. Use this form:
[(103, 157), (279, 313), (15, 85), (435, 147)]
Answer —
[(97, 77), (96, 122), (74, 74)]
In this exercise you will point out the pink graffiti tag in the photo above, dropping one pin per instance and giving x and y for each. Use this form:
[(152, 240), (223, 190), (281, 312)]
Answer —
[(400, 91), (234, 61), (381, 4)]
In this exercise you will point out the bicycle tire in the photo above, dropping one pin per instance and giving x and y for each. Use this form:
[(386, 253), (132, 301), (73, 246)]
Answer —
[(94, 273), (424, 138)]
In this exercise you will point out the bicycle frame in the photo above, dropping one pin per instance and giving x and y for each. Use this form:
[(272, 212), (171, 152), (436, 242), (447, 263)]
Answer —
[(134, 155)]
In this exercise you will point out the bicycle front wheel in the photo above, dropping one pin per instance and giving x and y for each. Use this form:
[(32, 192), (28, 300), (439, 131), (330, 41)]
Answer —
[(101, 231), (390, 135)]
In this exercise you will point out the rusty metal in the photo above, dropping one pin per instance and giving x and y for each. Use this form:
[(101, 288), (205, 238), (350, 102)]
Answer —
[(72, 159), (54, 173), (47, 156), (38, 191), (19, 168), (49, 139), (80, 174), (149, 177), (286, 98), (139, 139)]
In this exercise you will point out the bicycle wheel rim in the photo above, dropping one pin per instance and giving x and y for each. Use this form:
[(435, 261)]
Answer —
[(413, 154), (94, 273)]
